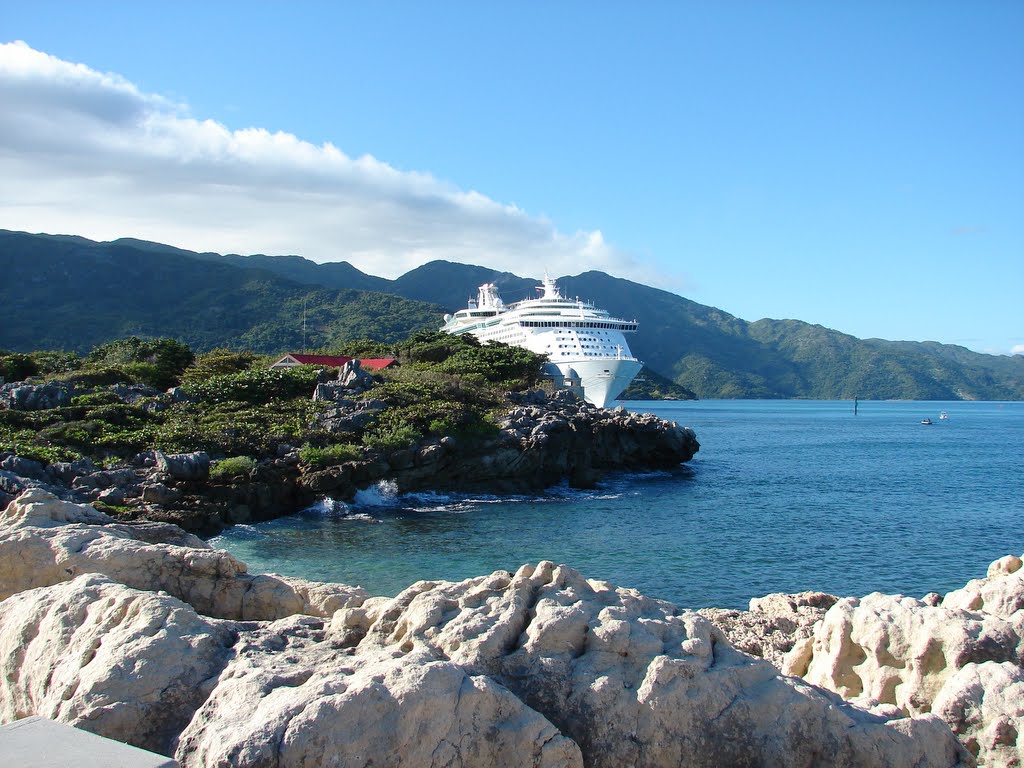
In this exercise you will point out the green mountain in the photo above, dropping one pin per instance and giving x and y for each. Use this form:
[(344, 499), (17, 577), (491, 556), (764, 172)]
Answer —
[(718, 355), (452, 285), (66, 292), (72, 294)]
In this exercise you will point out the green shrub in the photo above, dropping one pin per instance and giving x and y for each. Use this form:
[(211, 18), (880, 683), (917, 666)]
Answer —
[(218, 362), (17, 367), (258, 386), (329, 455), (157, 362), (53, 363), (116, 414), (82, 435), (390, 438), (232, 466), (511, 367), (25, 445), (95, 399), (235, 428), (98, 377)]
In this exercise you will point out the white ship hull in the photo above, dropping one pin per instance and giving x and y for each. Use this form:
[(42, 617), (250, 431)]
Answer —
[(584, 343), (602, 380)]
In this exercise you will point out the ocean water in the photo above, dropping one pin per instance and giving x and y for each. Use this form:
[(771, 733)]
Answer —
[(783, 496)]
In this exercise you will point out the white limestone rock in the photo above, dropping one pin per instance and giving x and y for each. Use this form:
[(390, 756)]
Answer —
[(635, 681), (499, 670), (292, 697), (959, 657), (41, 509), (891, 649), (985, 704), (1000, 593), (125, 664), (212, 581)]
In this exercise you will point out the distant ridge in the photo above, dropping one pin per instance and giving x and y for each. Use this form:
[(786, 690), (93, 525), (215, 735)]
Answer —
[(72, 294), (67, 292)]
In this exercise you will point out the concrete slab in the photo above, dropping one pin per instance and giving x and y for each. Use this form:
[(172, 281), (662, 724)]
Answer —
[(36, 742)]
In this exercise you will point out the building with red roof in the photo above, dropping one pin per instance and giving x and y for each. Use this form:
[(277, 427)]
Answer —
[(333, 361)]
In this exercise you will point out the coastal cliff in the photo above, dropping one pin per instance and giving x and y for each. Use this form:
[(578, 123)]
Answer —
[(236, 441), (541, 667), (540, 441)]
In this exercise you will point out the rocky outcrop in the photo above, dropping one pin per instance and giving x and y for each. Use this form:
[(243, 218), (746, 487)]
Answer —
[(184, 466), (148, 670), (352, 381), (43, 395), (984, 705), (960, 656), (636, 681), (542, 441), (45, 541), (541, 667), (129, 665), (290, 696), (22, 396), (774, 623)]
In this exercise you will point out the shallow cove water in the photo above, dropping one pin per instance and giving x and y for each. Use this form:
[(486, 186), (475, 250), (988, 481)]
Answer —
[(783, 496)]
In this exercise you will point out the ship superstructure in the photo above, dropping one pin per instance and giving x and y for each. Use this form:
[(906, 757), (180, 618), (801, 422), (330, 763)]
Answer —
[(583, 343)]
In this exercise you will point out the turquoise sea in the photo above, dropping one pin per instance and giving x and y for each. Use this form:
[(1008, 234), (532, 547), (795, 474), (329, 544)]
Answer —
[(783, 496)]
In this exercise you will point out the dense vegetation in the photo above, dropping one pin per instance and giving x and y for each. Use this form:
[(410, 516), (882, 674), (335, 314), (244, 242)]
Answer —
[(235, 408), (71, 293)]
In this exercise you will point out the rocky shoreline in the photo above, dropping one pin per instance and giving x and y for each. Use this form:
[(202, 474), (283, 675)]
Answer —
[(541, 441), (143, 633)]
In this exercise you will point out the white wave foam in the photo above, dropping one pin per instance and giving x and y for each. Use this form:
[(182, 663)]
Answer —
[(383, 494), (326, 507), (362, 517)]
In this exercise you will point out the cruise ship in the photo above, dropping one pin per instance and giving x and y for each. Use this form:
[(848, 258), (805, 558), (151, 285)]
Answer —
[(585, 345)]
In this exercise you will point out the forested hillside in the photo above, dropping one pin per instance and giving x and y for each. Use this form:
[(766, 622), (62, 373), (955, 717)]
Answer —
[(72, 294), (63, 292)]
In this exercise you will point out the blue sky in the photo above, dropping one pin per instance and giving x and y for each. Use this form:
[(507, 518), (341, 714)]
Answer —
[(856, 165)]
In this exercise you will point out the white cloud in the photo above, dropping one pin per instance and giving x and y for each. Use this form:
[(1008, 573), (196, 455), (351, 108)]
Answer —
[(1018, 349), (87, 153)]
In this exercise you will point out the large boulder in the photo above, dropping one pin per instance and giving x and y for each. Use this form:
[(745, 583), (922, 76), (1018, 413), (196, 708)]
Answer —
[(985, 704), (505, 669), (1000, 593), (19, 396), (129, 665), (45, 541), (37, 508), (291, 697), (891, 649), (960, 657), (184, 466), (636, 681)]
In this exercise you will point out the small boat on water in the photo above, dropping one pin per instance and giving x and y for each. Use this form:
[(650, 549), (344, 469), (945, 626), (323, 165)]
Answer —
[(926, 421), (943, 415)]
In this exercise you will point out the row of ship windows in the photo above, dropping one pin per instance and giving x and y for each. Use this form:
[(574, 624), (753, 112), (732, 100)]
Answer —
[(564, 324)]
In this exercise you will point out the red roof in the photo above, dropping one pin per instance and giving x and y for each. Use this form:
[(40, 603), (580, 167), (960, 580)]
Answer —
[(335, 361)]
